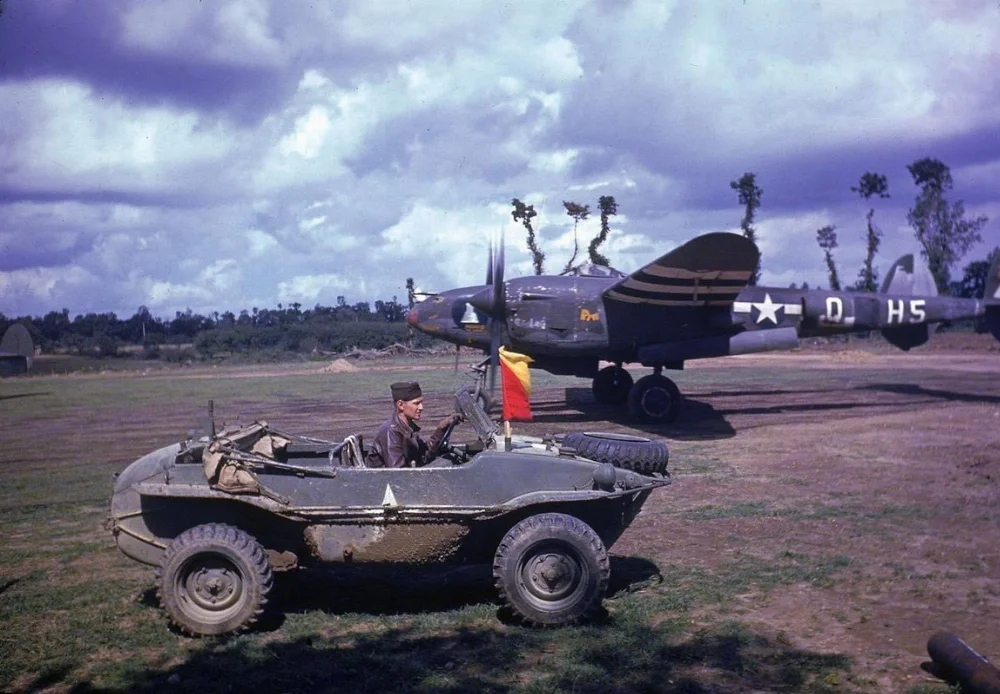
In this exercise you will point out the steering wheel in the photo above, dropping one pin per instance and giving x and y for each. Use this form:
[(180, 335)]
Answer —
[(442, 443)]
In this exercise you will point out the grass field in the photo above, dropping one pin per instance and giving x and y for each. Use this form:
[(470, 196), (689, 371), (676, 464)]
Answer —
[(828, 514)]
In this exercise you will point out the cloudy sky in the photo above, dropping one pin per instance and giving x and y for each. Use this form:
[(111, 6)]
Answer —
[(224, 155)]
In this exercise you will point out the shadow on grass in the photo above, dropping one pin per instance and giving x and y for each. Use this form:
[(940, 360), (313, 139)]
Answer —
[(7, 585), (462, 652), (14, 396), (393, 590), (919, 391), (697, 420), (624, 657)]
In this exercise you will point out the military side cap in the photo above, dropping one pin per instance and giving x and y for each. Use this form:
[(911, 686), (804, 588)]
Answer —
[(405, 390)]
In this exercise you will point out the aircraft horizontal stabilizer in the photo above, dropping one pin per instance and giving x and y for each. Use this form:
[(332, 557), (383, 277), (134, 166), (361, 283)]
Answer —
[(710, 270)]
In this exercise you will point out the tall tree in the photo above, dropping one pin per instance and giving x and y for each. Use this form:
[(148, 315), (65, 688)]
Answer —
[(578, 213), (940, 226), (869, 185), (827, 239), (524, 214), (749, 196), (411, 293), (608, 207), (974, 276)]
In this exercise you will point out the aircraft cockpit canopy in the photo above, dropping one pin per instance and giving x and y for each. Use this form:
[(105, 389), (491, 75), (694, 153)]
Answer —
[(593, 270)]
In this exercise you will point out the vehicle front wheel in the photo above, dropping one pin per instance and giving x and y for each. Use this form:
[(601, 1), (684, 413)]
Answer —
[(214, 579), (551, 569)]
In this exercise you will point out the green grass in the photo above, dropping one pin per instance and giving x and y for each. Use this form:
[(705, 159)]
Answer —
[(77, 613)]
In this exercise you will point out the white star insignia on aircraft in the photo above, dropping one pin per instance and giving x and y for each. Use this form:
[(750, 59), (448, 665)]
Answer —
[(768, 310)]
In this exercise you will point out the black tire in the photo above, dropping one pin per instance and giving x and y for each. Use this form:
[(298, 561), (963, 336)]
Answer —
[(214, 579), (654, 400), (621, 450), (611, 385), (551, 569)]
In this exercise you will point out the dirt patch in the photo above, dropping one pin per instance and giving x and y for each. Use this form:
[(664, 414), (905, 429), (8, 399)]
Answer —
[(340, 366)]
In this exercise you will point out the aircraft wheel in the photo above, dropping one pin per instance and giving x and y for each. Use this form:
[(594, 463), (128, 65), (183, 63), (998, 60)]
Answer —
[(611, 385), (654, 400), (551, 569)]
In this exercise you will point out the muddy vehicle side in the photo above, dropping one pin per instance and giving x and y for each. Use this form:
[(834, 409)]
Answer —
[(217, 516)]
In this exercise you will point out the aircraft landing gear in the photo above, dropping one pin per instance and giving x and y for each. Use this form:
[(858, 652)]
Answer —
[(611, 385), (654, 399)]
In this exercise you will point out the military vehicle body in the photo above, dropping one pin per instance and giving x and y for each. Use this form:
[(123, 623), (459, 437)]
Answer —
[(691, 303), (217, 516)]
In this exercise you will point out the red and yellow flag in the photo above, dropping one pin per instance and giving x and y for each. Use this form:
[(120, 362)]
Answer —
[(515, 384)]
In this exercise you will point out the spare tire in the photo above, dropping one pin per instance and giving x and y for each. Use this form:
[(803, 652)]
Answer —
[(621, 450)]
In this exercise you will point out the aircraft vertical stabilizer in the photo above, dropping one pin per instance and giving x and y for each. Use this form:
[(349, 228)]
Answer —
[(908, 277)]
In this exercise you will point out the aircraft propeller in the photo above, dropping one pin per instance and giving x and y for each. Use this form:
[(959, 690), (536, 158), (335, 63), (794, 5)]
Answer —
[(498, 321), (492, 301)]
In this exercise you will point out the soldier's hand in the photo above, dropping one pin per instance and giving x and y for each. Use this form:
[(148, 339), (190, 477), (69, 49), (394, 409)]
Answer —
[(451, 420)]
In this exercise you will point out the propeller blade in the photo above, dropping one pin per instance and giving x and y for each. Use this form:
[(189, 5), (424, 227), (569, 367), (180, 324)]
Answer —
[(489, 266), (498, 314), (496, 339), (458, 350), (499, 290)]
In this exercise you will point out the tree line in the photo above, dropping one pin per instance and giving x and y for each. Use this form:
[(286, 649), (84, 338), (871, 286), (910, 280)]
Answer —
[(285, 329)]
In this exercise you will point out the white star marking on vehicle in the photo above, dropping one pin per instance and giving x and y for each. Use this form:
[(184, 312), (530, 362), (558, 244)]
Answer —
[(389, 500), (768, 310)]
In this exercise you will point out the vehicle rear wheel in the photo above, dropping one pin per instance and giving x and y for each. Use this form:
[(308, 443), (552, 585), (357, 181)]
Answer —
[(621, 450), (611, 385), (214, 579), (654, 399), (551, 569)]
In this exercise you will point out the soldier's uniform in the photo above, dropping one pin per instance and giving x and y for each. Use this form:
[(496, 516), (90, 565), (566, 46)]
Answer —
[(397, 442)]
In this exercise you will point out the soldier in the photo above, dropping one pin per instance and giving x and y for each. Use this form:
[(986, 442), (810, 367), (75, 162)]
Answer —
[(397, 443)]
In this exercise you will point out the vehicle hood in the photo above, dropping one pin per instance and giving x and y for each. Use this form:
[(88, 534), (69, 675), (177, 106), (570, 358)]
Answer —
[(149, 465)]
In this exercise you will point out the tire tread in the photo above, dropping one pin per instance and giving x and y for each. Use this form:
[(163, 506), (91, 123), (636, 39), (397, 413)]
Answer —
[(208, 534)]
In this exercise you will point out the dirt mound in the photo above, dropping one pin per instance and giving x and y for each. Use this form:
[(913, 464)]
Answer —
[(340, 366)]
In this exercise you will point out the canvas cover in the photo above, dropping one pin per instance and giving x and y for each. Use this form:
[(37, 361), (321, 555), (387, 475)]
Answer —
[(225, 458)]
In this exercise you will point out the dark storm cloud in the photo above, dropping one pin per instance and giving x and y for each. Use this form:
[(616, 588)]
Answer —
[(157, 198), (43, 249), (83, 43)]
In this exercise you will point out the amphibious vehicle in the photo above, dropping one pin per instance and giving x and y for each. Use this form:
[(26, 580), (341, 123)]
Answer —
[(217, 516)]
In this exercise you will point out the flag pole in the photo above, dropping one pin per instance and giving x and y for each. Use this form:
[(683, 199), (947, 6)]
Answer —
[(506, 434)]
